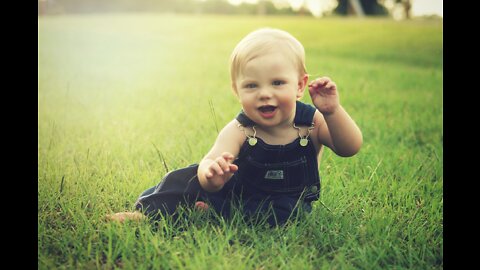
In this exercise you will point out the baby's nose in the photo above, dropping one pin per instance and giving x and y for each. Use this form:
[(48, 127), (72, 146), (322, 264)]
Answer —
[(265, 92)]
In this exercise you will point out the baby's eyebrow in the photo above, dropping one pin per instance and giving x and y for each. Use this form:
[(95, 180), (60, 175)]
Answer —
[(248, 81)]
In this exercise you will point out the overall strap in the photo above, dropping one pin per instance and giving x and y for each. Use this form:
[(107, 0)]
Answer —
[(303, 116), (244, 120)]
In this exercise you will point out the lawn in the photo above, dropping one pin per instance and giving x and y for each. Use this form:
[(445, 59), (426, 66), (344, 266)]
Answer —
[(122, 99)]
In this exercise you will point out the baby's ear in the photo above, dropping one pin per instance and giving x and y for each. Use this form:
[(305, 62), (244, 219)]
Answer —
[(302, 83)]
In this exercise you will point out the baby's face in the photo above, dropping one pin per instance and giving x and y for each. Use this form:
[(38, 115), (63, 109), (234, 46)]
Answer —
[(268, 87)]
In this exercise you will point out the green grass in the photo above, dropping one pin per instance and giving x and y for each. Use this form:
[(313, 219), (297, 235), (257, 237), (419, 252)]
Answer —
[(114, 89)]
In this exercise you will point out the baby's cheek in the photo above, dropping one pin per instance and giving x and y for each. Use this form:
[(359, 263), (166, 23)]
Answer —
[(289, 105)]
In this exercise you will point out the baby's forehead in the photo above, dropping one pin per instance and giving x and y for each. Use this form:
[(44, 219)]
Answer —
[(271, 54), (270, 45), (274, 58)]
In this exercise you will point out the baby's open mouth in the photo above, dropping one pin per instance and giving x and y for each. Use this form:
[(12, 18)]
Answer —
[(267, 108)]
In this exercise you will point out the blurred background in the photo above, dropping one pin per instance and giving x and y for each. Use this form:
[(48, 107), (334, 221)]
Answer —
[(397, 9)]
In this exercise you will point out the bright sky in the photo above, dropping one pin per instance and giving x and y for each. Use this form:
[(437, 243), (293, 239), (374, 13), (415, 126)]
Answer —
[(419, 7), (427, 7)]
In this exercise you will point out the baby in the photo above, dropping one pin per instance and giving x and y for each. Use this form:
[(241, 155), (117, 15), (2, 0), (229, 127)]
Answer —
[(266, 159)]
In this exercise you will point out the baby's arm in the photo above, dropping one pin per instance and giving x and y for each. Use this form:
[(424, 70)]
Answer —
[(335, 127), (217, 167)]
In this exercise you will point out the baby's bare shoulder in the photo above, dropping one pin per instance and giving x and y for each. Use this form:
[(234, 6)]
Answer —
[(318, 121), (232, 132), (320, 130)]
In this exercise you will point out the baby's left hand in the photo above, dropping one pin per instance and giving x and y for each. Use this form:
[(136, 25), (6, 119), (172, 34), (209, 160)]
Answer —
[(323, 92)]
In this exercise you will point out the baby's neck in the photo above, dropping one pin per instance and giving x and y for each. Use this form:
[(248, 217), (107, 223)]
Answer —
[(280, 134), (276, 130)]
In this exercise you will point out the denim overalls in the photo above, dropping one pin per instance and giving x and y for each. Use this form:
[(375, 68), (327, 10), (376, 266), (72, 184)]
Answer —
[(272, 182)]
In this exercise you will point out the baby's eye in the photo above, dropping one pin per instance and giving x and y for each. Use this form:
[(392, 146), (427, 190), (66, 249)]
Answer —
[(251, 85), (278, 82)]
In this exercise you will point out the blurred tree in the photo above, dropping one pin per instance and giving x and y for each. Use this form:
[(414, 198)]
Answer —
[(398, 9), (368, 7), (263, 7), (407, 7)]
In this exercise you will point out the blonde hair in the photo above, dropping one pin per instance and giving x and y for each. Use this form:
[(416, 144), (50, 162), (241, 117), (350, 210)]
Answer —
[(261, 41)]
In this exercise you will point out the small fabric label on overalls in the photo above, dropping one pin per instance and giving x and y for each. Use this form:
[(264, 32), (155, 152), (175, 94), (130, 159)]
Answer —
[(274, 175)]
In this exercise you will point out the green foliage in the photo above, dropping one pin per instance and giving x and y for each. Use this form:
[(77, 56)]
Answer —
[(370, 7), (124, 98)]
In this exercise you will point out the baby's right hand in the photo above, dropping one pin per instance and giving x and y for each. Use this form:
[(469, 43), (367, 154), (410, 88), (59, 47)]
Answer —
[(220, 170)]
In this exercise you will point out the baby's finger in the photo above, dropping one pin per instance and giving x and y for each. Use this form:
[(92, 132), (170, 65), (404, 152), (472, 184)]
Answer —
[(214, 170), (227, 156), (330, 85), (233, 168), (314, 83), (320, 82), (325, 79), (223, 164)]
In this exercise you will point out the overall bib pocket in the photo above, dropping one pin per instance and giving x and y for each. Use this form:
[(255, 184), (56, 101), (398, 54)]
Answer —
[(283, 177)]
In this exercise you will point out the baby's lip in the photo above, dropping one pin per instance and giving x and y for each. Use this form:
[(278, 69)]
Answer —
[(267, 108)]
